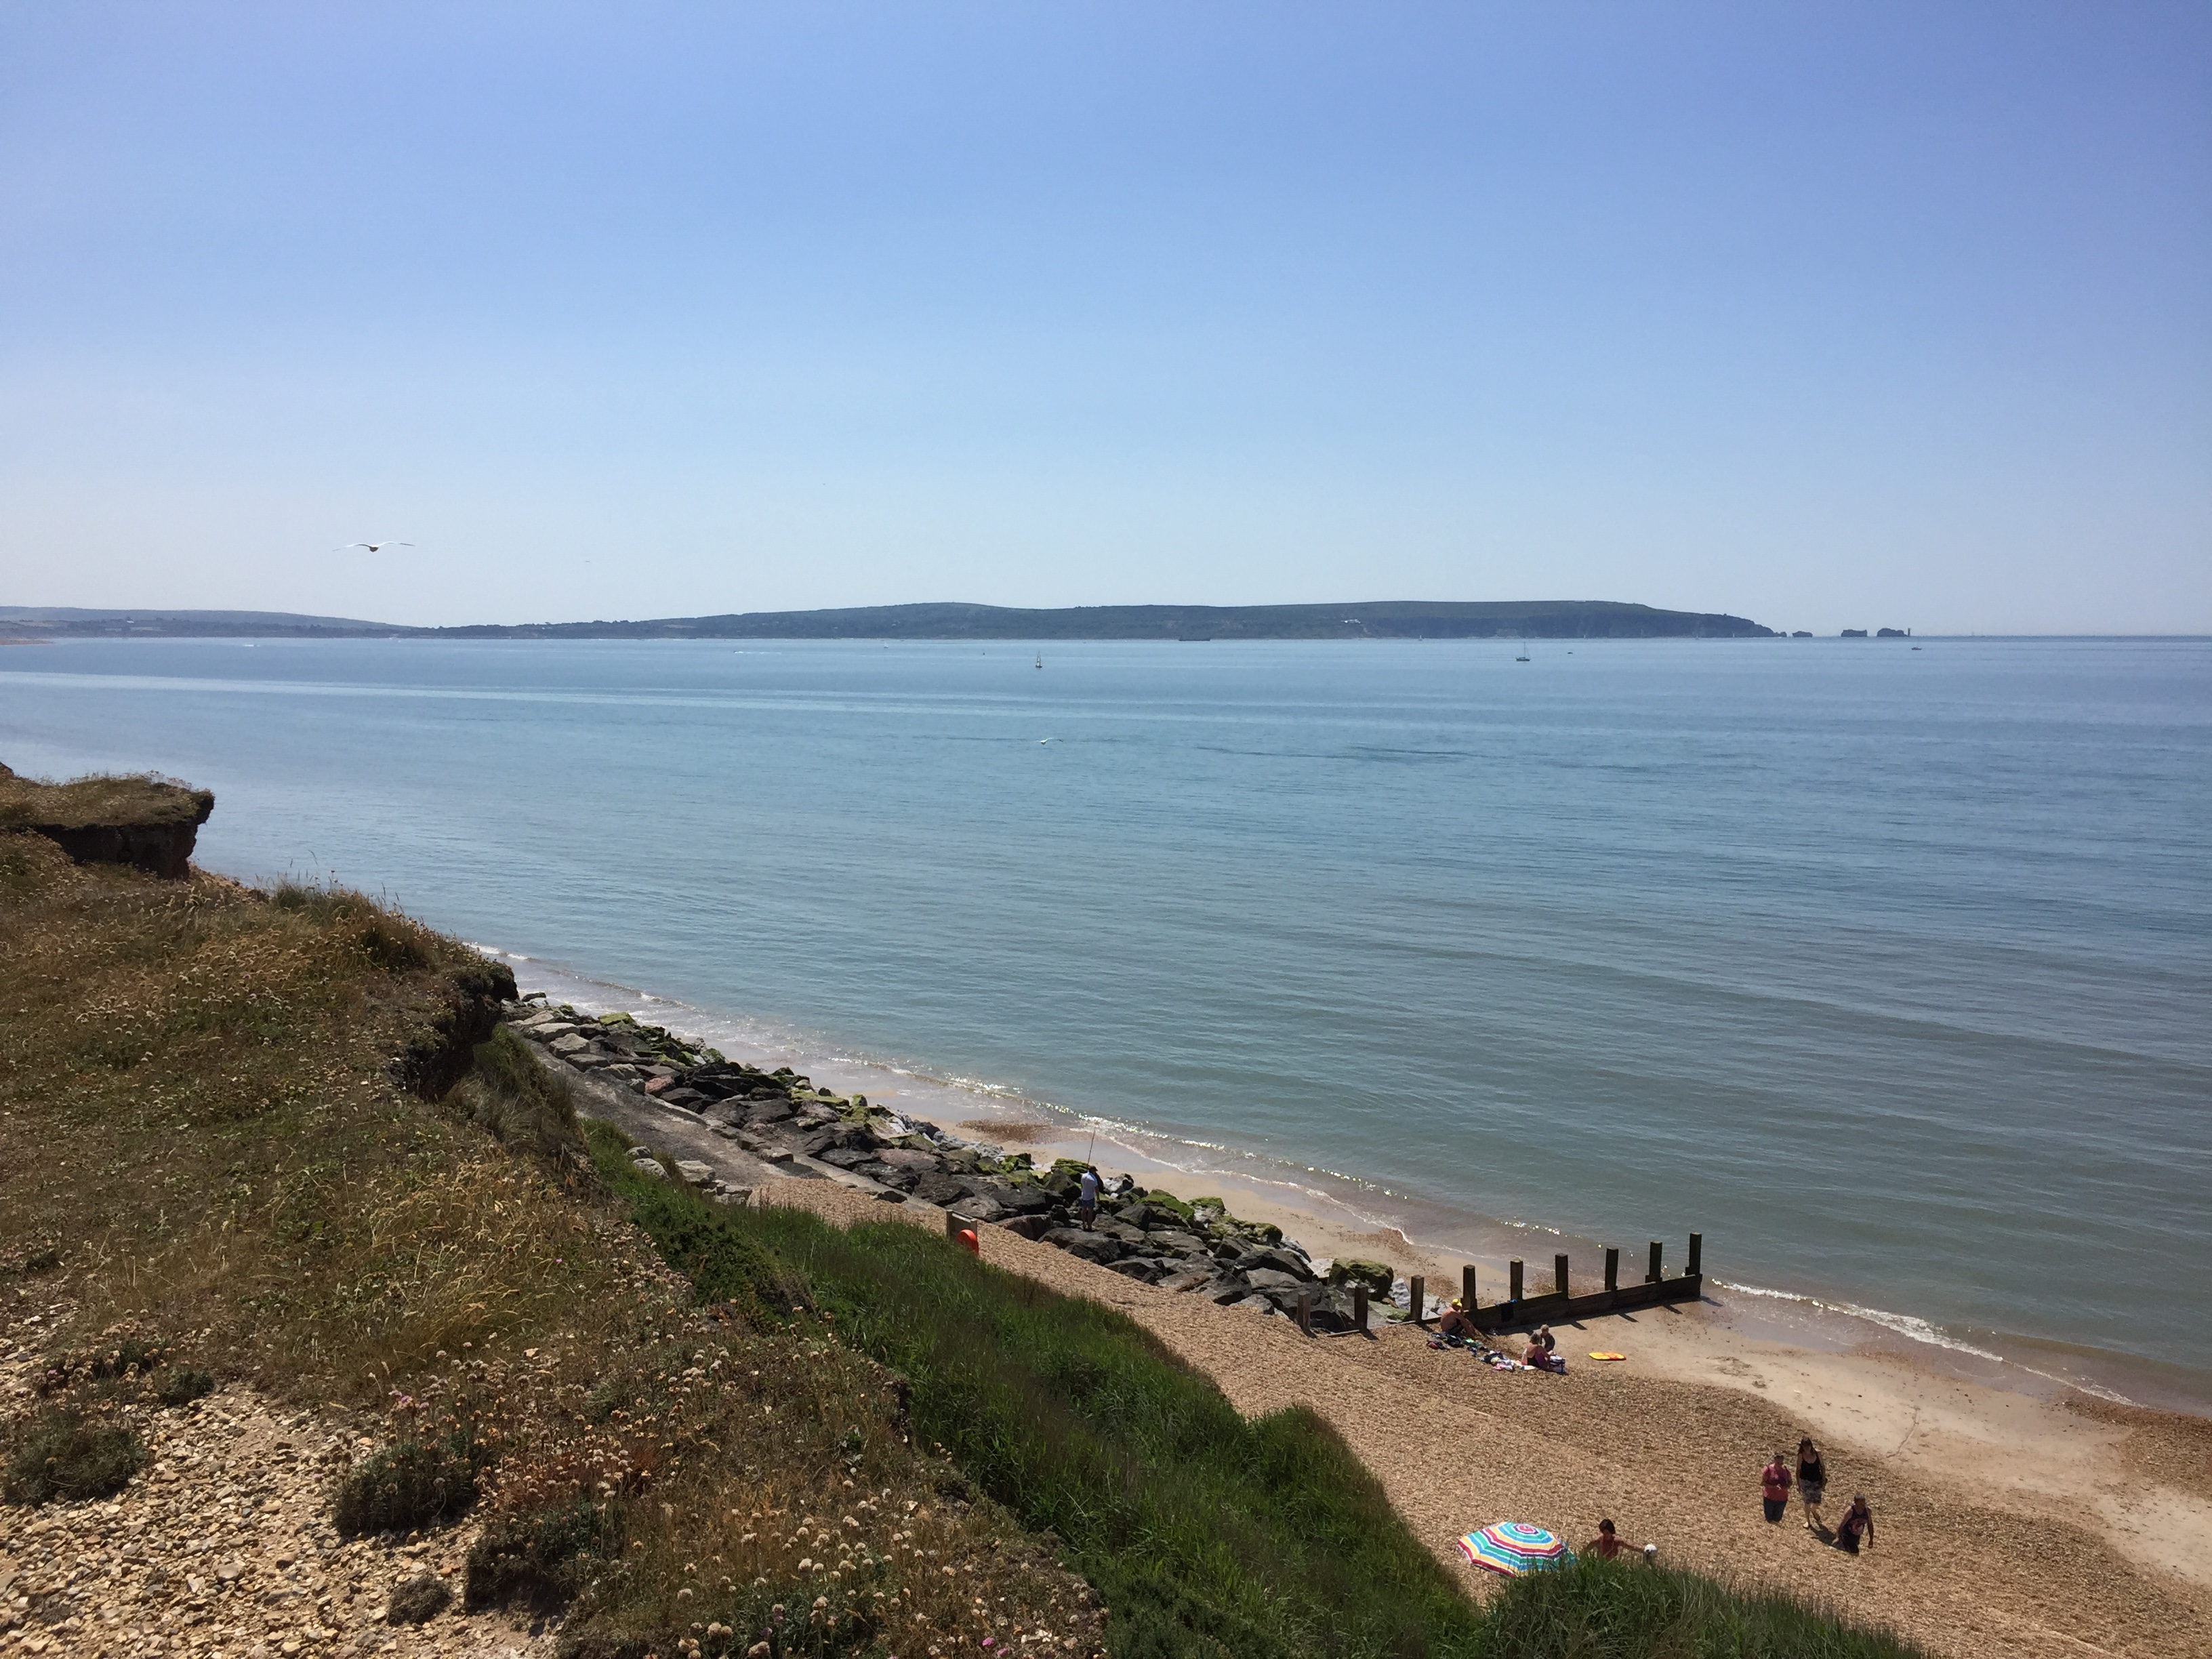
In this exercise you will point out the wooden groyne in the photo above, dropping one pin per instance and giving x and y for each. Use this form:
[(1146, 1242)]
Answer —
[(1559, 1306), (1519, 1309)]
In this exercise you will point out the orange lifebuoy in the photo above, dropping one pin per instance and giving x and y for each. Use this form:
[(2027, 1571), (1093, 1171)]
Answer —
[(966, 1239)]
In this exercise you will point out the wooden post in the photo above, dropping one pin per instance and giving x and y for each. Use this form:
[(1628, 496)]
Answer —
[(1657, 1252), (1466, 1285), (1513, 1274), (1305, 1311), (1559, 1273), (1697, 1253), (1359, 1307), (1416, 1300), (1613, 1266)]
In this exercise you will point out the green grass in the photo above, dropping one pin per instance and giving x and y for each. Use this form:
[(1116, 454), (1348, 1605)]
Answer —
[(1607, 1610), (1207, 1535)]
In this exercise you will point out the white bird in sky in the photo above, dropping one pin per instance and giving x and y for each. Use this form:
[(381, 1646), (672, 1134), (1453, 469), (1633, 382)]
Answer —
[(374, 547)]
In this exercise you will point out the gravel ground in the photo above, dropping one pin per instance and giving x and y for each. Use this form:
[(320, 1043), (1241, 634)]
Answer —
[(1457, 1445), (222, 1546)]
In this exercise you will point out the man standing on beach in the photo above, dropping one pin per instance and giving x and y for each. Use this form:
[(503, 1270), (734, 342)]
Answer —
[(1086, 1198)]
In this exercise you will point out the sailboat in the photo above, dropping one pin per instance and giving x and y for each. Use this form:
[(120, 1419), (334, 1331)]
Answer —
[(1523, 657), (1040, 660)]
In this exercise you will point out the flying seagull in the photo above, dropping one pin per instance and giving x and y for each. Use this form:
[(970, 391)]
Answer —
[(374, 547)]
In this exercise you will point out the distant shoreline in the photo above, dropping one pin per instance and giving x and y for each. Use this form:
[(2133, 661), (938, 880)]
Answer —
[(1412, 619)]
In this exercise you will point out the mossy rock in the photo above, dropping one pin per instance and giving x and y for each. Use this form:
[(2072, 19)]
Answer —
[(1376, 1276), (1069, 1166), (617, 1019), (1174, 1206)]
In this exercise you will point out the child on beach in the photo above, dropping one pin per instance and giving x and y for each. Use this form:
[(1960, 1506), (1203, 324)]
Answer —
[(1812, 1479), (1774, 1487), (1856, 1527), (1086, 1198), (1608, 1544), (1543, 1350)]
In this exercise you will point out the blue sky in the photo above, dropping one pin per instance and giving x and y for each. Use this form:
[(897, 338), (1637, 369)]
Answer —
[(1831, 316)]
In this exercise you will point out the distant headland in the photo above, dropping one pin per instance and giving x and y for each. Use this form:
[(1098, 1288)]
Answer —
[(1407, 619)]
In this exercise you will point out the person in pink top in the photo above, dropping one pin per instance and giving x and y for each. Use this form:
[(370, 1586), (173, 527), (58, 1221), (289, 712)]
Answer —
[(1774, 1487)]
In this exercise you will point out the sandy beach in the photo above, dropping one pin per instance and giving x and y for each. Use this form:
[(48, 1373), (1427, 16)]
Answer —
[(2004, 1523), (2094, 1515)]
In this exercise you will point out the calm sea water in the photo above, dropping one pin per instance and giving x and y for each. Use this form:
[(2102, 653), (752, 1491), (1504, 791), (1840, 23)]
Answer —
[(1890, 971)]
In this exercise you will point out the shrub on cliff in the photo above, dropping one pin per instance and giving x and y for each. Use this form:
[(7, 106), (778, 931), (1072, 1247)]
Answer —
[(512, 1097), (540, 1559), (62, 1455), (180, 1385), (412, 1485)]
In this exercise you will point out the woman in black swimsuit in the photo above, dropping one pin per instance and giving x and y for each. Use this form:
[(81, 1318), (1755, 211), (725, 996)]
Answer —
[(1812, 1476)]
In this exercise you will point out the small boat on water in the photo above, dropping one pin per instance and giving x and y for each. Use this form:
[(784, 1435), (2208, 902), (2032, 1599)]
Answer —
[(1040, 660)]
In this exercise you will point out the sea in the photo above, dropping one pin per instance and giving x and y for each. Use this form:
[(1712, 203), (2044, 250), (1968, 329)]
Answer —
[(1884, 965)]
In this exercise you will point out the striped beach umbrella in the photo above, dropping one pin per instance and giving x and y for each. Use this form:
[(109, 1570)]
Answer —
[(1513, 1547)]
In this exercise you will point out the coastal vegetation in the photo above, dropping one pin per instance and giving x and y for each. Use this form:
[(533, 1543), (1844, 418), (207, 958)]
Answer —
[(281, 1143)]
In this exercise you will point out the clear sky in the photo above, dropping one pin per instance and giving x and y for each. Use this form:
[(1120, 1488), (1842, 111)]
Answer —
[(1830, 315)]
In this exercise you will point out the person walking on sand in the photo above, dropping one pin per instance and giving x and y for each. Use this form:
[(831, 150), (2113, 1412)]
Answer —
[(1857, 1528), (1812, 1479), (1086, 1198), (1774, 1487)]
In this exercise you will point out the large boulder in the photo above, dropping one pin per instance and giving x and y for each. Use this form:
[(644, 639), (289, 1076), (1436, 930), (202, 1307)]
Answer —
[(1282, 1261), (1027, 1199), (1149, 1268), (1091, 1247), (907, 1157), (940, 1189), (1376, 1276), (1028, 1226)]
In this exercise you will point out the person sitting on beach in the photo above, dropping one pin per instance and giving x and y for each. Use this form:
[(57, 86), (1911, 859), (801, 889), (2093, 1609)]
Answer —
[(1857, 1528), (1457, 1321), (1086, 1198), (1608, 1544), (1543, 1350), (1774, 1487), (1812, 1479)]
